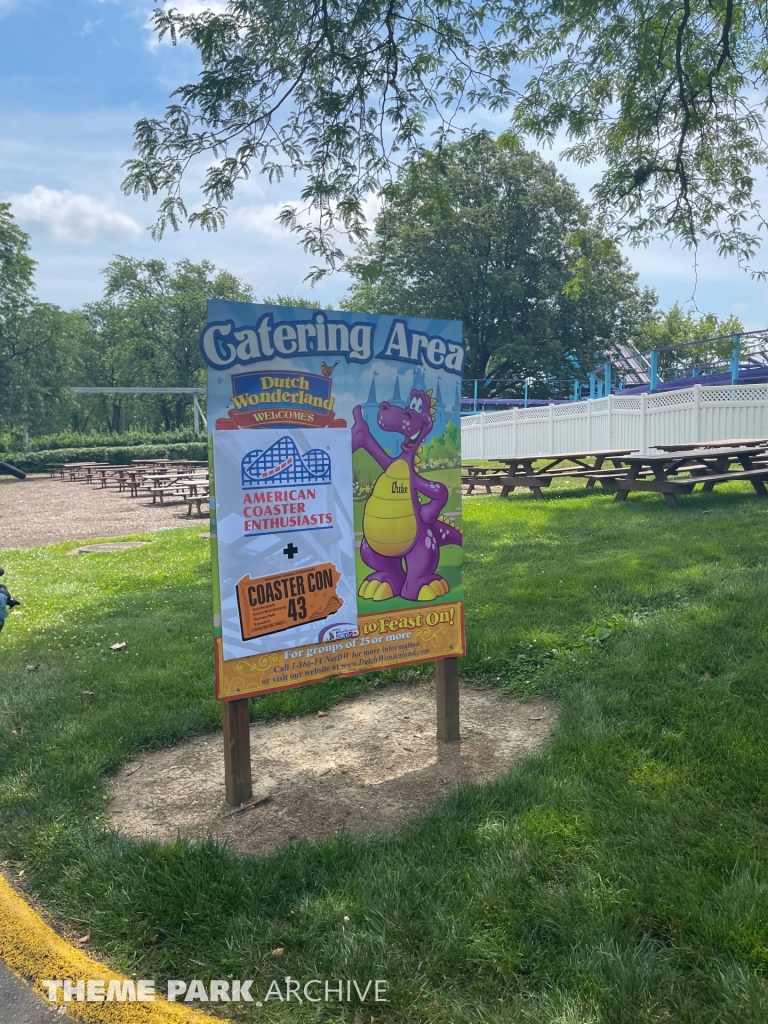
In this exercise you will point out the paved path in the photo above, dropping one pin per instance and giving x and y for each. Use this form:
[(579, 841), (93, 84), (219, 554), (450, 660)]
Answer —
[(19, 1004)]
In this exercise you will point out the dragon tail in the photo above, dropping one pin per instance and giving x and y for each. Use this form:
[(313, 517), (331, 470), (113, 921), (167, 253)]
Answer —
[(447, 533)]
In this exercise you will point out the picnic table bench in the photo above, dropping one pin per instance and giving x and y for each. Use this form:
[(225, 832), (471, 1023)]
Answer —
[(663, 472), (166, 485), (83, 473), (474, 475), (521, 471), (111, 470), (196, 499)]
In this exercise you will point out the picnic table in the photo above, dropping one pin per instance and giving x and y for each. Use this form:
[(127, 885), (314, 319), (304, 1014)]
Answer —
[(169, 485), (110, 470), (521, 471), (83, 471), (195, 491), (662, 473), (689, 445)]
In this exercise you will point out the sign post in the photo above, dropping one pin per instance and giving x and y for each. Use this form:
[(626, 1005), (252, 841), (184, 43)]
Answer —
[(237, 752), (335, 448), (447, 685)]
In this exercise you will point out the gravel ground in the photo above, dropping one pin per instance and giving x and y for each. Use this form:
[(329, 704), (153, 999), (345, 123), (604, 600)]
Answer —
[(39, 510)]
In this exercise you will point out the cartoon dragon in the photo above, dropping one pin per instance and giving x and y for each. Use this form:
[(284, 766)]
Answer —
[(402, 535)]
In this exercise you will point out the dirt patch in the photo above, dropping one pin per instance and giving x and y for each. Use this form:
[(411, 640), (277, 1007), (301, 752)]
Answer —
[(368, 765), (40, 510)]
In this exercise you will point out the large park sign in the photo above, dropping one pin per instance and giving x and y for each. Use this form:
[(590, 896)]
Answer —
[(336, 493)]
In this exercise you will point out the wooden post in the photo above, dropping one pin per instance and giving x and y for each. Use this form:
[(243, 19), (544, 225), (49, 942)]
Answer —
[(447, 680), (237, 751)]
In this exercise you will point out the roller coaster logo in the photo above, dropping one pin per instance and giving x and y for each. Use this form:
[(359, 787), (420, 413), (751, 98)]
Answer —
[(283, 463)]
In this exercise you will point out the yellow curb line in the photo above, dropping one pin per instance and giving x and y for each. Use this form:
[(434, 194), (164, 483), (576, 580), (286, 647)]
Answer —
[(33, 950)]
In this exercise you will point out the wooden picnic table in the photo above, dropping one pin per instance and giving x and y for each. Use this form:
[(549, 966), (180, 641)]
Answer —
[(193, 485), (555, 467), (662, 473), (109, 470), (176, 484), (521, 471), (730, 443), (83, 471)]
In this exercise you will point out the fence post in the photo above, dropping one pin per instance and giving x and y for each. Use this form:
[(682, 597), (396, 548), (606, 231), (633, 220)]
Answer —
[(482, 436), (515, 447), (589, 424), (610, 420), (644, 423), (551, 429), (697, 412)]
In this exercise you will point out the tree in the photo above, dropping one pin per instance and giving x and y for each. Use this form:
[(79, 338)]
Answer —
[(677, 327), (16, 265), (485, 232), (667, 93), (36, 356), (145, 330)]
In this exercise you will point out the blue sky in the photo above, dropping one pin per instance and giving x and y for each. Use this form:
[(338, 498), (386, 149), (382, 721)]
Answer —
[(74, 77)]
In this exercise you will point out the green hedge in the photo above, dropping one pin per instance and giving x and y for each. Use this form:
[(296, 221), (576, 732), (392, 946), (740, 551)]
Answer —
[(68, 439), (37, 462)]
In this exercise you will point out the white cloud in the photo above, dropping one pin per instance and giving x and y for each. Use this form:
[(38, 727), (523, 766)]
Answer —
[(262, 219), (72, 216), (89, 26)]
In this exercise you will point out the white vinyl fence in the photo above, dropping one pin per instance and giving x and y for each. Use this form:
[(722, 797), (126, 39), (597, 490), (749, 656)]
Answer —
[(637, 422)]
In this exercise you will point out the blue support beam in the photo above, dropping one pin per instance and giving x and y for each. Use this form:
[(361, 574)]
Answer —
[(655, 370), (607, 369), (735, 357), (593, 385)]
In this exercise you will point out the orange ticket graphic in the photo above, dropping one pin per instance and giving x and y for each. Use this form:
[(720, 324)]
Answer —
[(270, 604)]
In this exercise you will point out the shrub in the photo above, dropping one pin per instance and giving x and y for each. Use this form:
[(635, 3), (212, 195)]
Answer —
[(68, 439), (37, 462)]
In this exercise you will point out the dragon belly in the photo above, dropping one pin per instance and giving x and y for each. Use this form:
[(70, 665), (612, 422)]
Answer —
[(389, 521)]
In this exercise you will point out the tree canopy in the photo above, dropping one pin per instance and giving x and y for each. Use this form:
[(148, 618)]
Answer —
[(143, 332), (667, 94), (32, 362), (487, 233)]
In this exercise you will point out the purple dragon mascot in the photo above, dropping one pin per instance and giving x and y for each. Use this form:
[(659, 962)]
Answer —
[(402, 535)]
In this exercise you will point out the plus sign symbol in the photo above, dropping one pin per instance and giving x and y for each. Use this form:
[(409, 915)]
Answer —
[(290, 550)]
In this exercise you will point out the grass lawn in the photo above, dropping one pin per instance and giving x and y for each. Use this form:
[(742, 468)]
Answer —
[(619, 876)]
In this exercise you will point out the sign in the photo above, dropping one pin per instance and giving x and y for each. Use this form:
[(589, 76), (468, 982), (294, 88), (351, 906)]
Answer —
[(283, 505), (336, 493)]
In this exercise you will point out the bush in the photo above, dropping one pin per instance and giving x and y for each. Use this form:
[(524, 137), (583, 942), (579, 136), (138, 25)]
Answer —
[(68, 439), (37, 462)]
